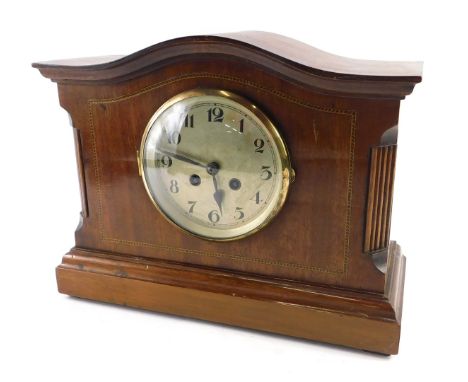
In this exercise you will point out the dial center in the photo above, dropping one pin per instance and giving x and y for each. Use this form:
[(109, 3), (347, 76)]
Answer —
[(212, 168)]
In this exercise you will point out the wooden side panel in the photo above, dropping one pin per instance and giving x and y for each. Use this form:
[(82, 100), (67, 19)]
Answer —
[(379, 202), (81, 174)]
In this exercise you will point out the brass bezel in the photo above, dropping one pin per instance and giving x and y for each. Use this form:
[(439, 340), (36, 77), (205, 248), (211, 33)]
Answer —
[(286, 169)]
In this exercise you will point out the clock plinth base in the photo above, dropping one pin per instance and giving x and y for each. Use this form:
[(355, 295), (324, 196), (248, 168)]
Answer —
[(351, 318)]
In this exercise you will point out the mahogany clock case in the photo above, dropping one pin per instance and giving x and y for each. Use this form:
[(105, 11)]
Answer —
[(312, 271)]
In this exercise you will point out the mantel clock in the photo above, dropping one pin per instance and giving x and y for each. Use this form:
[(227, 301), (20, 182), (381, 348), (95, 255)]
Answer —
[(244, 178)]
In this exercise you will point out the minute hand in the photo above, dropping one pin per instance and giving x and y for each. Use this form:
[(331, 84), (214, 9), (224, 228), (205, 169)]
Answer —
[(218, 195), (182, 158)]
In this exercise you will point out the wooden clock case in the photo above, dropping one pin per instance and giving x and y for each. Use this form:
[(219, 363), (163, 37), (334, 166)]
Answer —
[(324, 269)]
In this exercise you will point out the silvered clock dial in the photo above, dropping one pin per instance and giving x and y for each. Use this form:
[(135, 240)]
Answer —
[(214, 164)]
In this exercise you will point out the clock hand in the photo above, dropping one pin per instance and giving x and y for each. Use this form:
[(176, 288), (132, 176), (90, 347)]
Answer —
[(218, 195), (182, 158), (212, 168)]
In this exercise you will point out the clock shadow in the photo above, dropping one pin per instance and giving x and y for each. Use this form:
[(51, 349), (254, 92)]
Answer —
[(301, 341)]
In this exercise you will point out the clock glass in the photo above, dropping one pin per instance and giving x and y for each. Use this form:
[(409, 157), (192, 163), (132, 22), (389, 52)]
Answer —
[(214, 164)]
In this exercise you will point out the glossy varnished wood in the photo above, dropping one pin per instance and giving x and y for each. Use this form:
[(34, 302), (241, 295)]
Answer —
[(333, 114), (360, 320), (318, 235)]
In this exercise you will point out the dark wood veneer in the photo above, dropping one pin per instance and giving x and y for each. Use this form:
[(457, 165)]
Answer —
[(310, 272)]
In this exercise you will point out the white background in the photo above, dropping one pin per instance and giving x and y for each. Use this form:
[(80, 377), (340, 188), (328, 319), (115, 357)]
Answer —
[(47, 336)]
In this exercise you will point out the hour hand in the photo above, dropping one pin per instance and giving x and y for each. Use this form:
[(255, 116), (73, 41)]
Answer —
[(180, 157)]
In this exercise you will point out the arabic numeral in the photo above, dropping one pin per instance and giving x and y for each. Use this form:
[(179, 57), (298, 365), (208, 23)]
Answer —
[(259, 143), (164, 161), (266, 173), (256, 198), (239, 213), (174, 138), (188, 122), (192, 205), (214, 216), (215, 114), (174, 188)]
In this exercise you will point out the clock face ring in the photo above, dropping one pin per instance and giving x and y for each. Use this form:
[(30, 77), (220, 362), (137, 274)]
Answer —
[(214, 164)]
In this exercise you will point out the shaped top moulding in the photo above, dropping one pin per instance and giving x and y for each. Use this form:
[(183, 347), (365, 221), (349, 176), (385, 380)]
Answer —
[(286, 57)]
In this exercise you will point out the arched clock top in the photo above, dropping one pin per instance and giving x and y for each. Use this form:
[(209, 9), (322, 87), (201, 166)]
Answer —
[(286, 57)]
